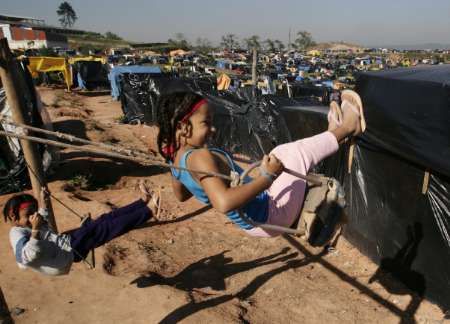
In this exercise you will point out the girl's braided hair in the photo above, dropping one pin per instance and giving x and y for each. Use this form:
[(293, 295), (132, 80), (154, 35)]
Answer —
[(11, 208), (171, 110)]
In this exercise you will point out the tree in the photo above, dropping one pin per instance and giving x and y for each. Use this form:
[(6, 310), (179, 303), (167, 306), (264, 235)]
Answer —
[(304, 40), (252, 42), (179, 41), (110, 35), (203, 45), (67, 15), (229, 42), (270, 45), (279, 45)]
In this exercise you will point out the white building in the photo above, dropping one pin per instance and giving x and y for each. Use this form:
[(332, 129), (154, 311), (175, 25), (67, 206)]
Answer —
[(26, 33)]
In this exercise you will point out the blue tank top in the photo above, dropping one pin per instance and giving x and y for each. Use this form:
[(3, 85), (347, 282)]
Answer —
[(257, 209)]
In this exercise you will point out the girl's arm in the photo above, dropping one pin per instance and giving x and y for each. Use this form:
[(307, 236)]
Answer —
[(180, 191), (222, 197)]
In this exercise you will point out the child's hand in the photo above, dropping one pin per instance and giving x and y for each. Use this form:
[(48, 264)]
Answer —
[(35, 221), (271, 164)]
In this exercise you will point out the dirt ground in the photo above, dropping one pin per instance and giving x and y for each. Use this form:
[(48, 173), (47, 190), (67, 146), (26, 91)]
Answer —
[(193, 266)]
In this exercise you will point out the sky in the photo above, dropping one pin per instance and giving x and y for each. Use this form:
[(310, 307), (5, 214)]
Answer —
[(364, 22)]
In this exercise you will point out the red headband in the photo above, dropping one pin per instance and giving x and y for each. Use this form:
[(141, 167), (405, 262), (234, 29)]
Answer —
[(25, 205), (194, 108), (170, 150)]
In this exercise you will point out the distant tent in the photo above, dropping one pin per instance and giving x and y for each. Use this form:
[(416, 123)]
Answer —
[(89, 72), (43, 64), (178, 52), (115, 75), (314, 53), (90, 58)]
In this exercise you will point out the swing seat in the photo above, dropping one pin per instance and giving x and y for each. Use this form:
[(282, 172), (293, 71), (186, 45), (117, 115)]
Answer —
[(322, 212)]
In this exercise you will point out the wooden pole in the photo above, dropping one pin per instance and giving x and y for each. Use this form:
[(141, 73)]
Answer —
[(255, 60), (5, 316), (12, 82)]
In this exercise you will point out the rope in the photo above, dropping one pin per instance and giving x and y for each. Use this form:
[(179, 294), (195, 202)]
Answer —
[(139, 154), (143, 158), (71, 138)]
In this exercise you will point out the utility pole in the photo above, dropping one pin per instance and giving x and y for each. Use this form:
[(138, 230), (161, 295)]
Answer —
[(289, 40), (255, 61), (13, 82)]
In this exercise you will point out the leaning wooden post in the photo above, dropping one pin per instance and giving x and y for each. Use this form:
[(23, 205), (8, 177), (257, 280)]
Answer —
[(11, 79), (5, 316), (255, 61)]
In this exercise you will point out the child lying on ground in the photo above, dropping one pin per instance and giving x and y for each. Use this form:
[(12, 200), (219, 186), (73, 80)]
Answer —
[(37, 247), (275, 197)]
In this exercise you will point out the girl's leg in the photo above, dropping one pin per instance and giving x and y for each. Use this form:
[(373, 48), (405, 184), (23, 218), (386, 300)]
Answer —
[(287, 193), (108, 226)]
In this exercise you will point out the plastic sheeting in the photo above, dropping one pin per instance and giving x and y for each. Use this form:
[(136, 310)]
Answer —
[(406, 232), (412, 115), (13, 171), (115, 74), (244, 126), (50, 64), (73, 60), (93, 74)]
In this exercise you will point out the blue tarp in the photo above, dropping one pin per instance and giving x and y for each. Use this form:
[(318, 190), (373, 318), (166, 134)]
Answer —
[(116, 72)]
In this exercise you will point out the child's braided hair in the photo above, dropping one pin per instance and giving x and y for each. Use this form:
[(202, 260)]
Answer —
[(171, 110)]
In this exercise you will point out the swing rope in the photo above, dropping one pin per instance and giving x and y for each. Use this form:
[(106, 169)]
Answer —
[(117, 151), (145, 159)]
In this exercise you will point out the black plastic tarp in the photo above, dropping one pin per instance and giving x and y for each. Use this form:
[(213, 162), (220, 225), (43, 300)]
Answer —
[(406, 232), (246, 127), (93, 73), (13, 172), (407, 111)]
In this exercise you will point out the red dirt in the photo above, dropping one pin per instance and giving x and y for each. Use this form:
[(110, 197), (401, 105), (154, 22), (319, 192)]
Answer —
[(194, 266)]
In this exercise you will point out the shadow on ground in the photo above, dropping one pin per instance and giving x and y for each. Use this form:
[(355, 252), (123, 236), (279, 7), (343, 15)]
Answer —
[(100, 174)]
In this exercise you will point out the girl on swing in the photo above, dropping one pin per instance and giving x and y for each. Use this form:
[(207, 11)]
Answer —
[(37, 247), (274, 197)]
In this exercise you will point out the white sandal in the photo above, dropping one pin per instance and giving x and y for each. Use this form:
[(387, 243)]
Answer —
[(155, 198)]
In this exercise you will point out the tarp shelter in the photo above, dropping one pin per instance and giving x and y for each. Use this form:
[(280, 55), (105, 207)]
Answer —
[(73, 60), (224, 64), (398, 191), (401, 181), (250, 128), (116, 73), (89, 72), (314, 53), (50, 64), (178, 52), (13, 170)]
